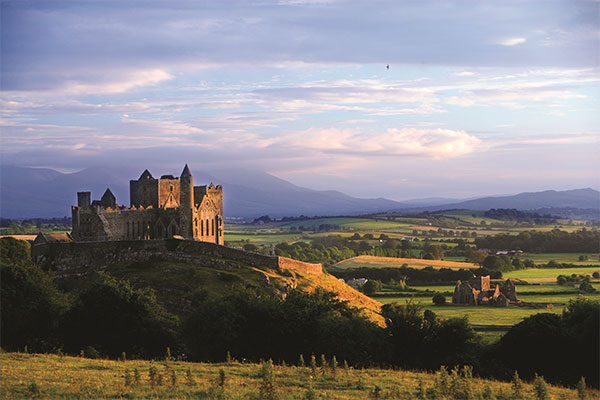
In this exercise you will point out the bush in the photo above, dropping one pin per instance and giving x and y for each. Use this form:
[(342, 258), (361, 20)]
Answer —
[(371, 287), (439, 299)]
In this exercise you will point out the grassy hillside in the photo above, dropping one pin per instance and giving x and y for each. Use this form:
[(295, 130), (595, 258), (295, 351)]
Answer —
[(385, 262), (52, 376), (176, 283)]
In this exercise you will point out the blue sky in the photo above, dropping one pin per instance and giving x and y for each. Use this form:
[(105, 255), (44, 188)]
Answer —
[(490, 97)]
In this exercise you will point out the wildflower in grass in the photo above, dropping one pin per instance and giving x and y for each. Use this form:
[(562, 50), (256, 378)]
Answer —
[(222, 378), (310, 393), (313, 364), (467, 379), (540, 388), (487, 392), (152, 375), (34, 389), (323, 361), (301, 360), (359, 383), (420, 392), (346, 367), (442, 381), (128, 379), (189, 377), (581, 389), (376, 393), (333, 365), (517, 387), (267, 383)]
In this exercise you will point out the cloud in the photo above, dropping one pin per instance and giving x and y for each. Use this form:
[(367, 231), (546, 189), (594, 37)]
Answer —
[(428, 143), (131, 80), (513, 41)]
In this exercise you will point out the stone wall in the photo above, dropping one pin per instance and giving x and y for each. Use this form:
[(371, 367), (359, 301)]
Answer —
[(299, 266), (95, 255)]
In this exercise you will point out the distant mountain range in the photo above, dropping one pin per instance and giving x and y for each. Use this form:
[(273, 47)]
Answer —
[(41, 192)]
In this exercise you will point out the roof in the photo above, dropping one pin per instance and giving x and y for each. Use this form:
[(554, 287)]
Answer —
[(52, 238)]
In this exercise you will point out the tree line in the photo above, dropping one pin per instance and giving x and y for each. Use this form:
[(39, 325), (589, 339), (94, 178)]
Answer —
[(555, 241)]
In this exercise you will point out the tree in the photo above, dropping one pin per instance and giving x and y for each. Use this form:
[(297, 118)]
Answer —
[(371, 287), (439, 299), (250, 247), (476, 257), (113, 317), (32, 306)]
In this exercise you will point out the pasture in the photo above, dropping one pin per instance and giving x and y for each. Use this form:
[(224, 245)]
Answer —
[(547, 275), (52, 376), (387, 262), (568, 258)]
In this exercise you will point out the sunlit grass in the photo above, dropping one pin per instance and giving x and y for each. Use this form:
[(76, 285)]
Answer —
[(52, 376)]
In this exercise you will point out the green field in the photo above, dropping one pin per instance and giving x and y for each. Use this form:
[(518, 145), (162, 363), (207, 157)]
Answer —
[(547, 275), (569, 258), (554, 298), (26, 376)]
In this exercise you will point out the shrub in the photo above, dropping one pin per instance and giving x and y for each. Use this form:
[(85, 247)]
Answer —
[(267, 383), (439, 299), (540, 388)]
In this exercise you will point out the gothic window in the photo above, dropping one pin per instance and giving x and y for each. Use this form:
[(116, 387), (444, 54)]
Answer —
[(207, 227), (202, 228), (212, 227)]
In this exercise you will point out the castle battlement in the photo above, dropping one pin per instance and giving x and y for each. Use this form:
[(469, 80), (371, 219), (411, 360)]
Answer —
[(159, 209)]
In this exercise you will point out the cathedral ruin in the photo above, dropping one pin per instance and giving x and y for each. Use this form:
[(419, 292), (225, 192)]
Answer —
[(160, 208)]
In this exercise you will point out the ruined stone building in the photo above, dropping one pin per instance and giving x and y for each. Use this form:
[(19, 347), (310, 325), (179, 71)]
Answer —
[(478, 292), (160, 208)]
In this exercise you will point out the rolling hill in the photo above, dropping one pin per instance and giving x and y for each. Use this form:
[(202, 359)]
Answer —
[(42, 192)]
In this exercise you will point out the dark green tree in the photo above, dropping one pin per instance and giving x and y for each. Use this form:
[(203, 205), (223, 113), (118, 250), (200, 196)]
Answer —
[(113, 317)]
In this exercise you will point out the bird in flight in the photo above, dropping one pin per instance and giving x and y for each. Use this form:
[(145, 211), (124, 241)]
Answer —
[(388, 66)]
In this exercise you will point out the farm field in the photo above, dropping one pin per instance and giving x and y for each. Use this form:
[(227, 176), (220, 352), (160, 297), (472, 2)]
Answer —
[(547, 275), (51, 376), (385, 262), (570, 258), (554, 298)]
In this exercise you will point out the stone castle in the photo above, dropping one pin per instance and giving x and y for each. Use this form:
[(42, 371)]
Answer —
[(160, 209)]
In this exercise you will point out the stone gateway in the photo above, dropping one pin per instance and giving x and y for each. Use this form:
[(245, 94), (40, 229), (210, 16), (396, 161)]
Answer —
[(160, 209)]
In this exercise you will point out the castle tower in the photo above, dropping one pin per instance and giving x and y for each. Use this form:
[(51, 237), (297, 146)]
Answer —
[(186, 201)]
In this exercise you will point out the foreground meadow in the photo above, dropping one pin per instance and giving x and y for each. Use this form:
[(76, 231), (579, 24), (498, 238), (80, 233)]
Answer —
[(54, 376)]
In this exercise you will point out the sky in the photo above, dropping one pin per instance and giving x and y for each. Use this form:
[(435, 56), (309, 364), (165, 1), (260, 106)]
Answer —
[(396, 99)]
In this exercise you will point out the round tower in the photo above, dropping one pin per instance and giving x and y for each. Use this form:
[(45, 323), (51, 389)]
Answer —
[(186, 202)]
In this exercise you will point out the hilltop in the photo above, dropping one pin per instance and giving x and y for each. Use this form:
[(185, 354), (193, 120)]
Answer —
[(178, 269)]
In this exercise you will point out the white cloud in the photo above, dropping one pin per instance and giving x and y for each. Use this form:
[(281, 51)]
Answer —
[(122, 84), (513, 41), (428, 143)]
